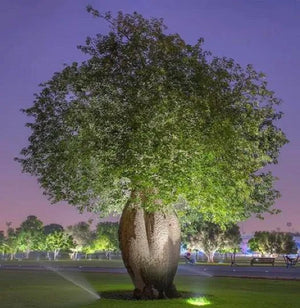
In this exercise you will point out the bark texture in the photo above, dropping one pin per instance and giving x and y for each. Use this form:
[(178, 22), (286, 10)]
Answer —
[(150, 245)]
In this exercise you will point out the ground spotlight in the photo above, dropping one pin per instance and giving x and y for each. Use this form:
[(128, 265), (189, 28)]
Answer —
[(198, 301)]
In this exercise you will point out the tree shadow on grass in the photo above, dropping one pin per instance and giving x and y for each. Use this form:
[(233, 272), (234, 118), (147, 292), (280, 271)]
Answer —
[(128, 295)]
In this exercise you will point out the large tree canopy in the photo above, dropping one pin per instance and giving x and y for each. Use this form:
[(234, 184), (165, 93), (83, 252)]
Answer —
[(152, 118)]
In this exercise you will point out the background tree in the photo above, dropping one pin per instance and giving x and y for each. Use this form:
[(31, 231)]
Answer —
[(108, 232), (57, 241), (51, 228), (11, 241), (210, 238), (82, 236), (210, 134), (2, 243), (30, 235), (105, 239), (100, 244), (270, 243)]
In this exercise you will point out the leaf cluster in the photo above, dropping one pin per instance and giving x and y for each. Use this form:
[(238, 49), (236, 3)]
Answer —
[(155, 120), (269, 243), (209, 237)]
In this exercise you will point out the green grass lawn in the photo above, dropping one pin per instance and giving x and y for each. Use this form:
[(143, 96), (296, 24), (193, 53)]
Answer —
[(117, 263), (39, 289)]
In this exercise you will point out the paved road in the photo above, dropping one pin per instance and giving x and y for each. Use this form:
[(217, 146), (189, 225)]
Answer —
[(197, 270)]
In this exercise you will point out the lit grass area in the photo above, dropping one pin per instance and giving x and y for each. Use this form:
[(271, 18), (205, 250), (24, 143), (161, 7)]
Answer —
[(35, 289)]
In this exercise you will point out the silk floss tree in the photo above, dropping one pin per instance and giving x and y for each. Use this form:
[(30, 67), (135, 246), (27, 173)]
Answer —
[(150, 126)]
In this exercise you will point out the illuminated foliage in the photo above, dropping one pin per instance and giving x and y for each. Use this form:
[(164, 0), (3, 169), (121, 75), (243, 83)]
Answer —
[(82, 236), (150, 118), (57, 241), (209, 237), (2, 242), (109, 230), (30, 235), (11, 241), (269, 243), (100, 244)]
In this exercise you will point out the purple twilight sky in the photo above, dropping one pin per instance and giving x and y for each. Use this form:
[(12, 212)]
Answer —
[(38, 37)]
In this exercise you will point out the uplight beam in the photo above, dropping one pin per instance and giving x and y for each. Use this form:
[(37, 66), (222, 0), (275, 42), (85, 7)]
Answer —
[(198, 301)]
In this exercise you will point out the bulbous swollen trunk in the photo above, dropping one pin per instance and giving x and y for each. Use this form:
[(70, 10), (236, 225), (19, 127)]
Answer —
[(150, 245)]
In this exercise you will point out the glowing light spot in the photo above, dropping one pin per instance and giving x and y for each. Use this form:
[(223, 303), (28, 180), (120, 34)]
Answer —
[(198, 301)]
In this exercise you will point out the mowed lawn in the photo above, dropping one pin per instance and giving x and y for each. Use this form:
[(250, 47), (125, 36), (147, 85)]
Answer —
[(39, 289)]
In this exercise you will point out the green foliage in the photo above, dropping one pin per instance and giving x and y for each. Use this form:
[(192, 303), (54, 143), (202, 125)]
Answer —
[(107, 234), (51, 228), (269, 243), (82, 236), (2, 242), (31, 224), (58, 240), (209, 237), (30, 235), (150, 118), (11, 240), (100, 244)]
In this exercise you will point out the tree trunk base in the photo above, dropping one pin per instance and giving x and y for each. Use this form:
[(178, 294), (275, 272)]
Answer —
[(172, 292), (150, 293), (150, 245)]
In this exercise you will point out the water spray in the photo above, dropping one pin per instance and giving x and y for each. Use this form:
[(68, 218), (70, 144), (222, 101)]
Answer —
[(78, 284)]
